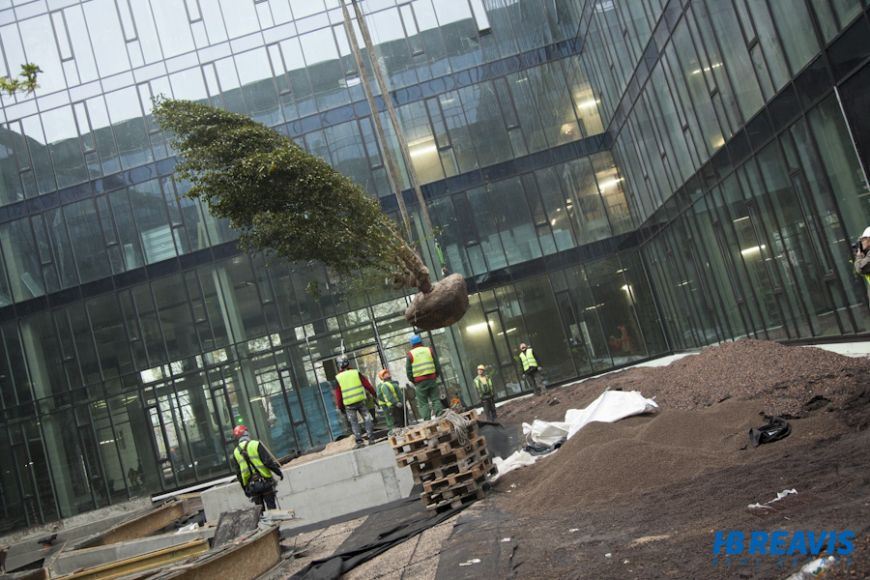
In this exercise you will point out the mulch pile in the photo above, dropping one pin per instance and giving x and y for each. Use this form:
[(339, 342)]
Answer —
[(790, 381), (709, 401), (787, 380), (642, 497), (606, 461)]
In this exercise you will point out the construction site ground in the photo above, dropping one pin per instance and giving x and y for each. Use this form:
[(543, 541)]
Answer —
[(638, 498), (643, 497)]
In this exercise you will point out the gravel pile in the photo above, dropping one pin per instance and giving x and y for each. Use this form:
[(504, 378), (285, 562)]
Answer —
[(708, 403), (786, 380), (790, 381), (607, 460)]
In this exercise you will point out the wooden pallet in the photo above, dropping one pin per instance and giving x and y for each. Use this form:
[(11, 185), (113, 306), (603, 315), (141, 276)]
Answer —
[(441, 452), (478, 471), (421, 433), (422, 473), (453, 474), (459, 490), (456, 502), (442, 442)]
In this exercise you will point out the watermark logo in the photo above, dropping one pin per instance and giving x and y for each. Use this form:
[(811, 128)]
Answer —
[(736, 547)]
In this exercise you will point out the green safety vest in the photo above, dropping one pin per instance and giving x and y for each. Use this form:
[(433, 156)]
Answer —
[(352, 390), (423, 363), (253, 449), (528, 359), (387, 396), (484, 385)]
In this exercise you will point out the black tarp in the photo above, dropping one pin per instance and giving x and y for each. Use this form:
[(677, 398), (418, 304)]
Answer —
[(501, 440), (383, 529)]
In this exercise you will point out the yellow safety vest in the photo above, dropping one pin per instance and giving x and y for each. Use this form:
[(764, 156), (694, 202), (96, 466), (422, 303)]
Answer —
[(253, 450), (423, 363), (385, 390), (483, 384), (352, 390), (528, 359)]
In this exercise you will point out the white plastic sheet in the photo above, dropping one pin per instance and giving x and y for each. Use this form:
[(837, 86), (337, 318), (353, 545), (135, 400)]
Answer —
[(610, 407), (545, 432), (513, 461)]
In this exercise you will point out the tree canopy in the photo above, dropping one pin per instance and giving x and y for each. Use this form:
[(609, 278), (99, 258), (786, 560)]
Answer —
[(25, 81), (280, 198)]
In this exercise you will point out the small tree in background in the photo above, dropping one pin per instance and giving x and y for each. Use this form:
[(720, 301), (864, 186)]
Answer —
[(25, 81), (287, 202)]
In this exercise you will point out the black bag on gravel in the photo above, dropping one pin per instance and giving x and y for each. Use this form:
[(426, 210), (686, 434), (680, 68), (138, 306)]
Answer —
[(534, 448), (778, 428)]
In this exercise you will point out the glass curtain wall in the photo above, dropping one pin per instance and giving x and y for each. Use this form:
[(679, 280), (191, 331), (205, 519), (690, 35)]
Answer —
[(212, 357), (750, 191), (616, 180)]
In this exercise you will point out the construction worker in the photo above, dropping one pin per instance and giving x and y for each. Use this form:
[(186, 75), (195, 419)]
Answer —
[(390, 400), (254, 466), (483, 384), (530, 369), (423, 369), (862, 258), (351, 388)]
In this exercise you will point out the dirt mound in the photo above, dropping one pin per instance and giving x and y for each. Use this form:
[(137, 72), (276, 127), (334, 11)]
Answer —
[(787, 380), (629, 458), (668, 532), (689, 469)]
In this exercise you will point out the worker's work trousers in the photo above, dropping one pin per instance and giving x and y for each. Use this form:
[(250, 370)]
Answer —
[(351, 413), (536, 383), (488, 403), (266, 498), (427, 398), (394, 416)]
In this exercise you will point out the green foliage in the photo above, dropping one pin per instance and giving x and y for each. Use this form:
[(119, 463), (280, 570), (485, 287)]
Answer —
[(281, 199), (25, 81)]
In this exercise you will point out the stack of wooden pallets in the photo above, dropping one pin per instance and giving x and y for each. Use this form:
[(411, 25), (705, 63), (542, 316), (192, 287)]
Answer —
[(452, 465)]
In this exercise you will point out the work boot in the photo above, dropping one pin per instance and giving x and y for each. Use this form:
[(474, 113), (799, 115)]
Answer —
[(359, 444)]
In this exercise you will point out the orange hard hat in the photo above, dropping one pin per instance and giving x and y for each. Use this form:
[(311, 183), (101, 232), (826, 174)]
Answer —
[(383, 373)]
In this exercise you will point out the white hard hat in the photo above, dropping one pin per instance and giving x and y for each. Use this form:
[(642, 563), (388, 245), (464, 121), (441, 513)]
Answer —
[(866, 233)]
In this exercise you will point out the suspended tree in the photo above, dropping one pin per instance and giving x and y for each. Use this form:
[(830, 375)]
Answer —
[(286, 202)]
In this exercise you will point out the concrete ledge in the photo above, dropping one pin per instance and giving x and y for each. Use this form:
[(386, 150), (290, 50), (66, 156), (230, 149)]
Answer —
[(327, 487), (79, 526), (69, 562)]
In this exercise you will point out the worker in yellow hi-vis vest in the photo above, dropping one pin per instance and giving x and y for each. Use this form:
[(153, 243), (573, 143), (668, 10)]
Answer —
[(255, 468), (531, 367), (352, 388), (862, 258), (486, 392), (390, 399), (423, 369)]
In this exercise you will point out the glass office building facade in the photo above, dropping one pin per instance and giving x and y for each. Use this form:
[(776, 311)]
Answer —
[(615, 180)]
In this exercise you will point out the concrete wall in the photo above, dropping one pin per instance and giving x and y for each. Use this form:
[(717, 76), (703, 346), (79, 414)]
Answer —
[(327, 487)]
